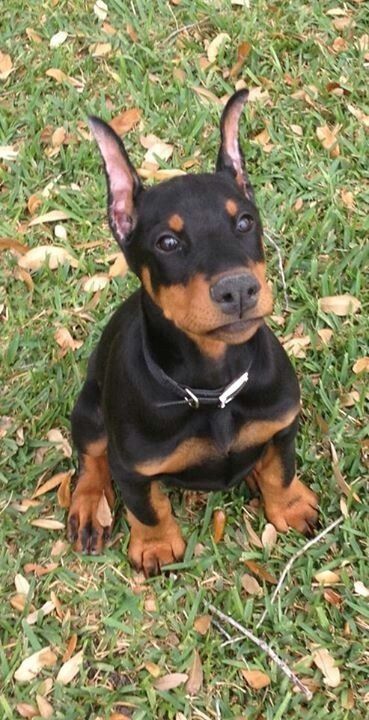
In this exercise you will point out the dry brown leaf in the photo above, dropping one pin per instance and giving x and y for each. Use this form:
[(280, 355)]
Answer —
[(252, 536), (326, 664), (70, 668), (350, 399), (25, 505), (295, 346), (361, 365), (64, 492), (11, 244), (219, 523), (159, 149), (26, 711), (170, 681), (125, 121), (72, 644), (340, 305), (263, 139), (341, 23), (329, 139), (32, 665), (6, 65), (46, 710), (179, 75), (336, 12), (46, 609), (33, 35), (196, 675), (215, 45), (340, 480), (66, 341), (54, 436), (22, 585), (8, 152), (258, 94), (150, 605), (95, 282), (52, 483), (297, 130), (48, 524), (332, 597), (39, 570), (152, 668), (58, 137), (33, 203), (57, 74), (340, 45), (269, 536), (18, 601), (243, 51), (103, 512), (207, 95), (24, 276), (260, 571), (101, 9), (359, 115), (256, 679), (202, 624), (59, 548), (50, 255), (58, 39), (100, 49), (131, 32), (167, 173), (361, 589), (119, 267), (327, 577), (348, 200), (325, 335), (251, 585), (119, 716), (52, 216)]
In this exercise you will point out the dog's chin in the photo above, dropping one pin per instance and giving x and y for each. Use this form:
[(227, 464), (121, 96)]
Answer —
[(237, 332)]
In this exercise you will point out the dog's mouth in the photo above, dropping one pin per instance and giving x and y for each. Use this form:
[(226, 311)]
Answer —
[(236, 328)]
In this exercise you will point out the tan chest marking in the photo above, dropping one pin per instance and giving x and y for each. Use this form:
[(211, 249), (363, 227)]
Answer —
[(195, 451)]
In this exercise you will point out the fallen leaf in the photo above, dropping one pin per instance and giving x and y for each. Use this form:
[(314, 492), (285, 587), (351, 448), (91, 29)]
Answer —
[(263, 139), (33, 203), (24, 276), (251, 585), (243, 51), (26, 711), (18, 601), (326, 664), (100, 49), (64, 492), (60, 232), (252, 536), (54, 436), (66, 341), (32, 665), (124, 122), (152, 668), (295, 346), (341, 482), (59, 548), (48, 524), (260, 571), (258, 94), (46, 609), (328, 139), (11, 244), (196, 675), (72, 644), (341, 23), (325, 335), (347, 198), (206, 94), (336, 12), (332, 597), (340, 45), (256, 679), (58, 136), (361, 365), (39, 570), (103, 512), (101, 9), (119, 267), (327, 577), (33, 35), (297, 130), (131, 32), (359, 115), (58, 39), (364, 42), (95, 282), (52, 483), (202, 624), (159, 149), (340, 305), (52, 216), (6, 65), (170, 681), (46, 710), (70, 668), (361, 589), (219, 523), (50, 255), (22, 585), (269, 536), (350, 399), (8, 152), (215, 45), (57, 74)]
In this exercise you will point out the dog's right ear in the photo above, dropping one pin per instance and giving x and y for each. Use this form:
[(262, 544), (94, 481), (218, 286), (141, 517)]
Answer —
[(124, 185)]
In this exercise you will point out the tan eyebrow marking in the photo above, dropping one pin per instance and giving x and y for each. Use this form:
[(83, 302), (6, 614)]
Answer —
[(176, 222), (231, 207)]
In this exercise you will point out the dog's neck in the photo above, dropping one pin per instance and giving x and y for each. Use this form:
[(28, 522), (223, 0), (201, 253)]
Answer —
[(182, 358)]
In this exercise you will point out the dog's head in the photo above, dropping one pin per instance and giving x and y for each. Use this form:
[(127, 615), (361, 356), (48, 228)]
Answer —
[(194, 241)]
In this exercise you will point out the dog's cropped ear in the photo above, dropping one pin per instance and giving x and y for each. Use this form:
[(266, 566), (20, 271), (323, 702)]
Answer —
[(124, 185), (230, 156)]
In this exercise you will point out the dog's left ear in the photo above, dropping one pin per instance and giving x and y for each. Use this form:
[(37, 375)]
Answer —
[(230, 156), (124, 185)]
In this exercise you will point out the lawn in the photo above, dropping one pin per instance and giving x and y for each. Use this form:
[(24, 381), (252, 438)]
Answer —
[(305, 135)]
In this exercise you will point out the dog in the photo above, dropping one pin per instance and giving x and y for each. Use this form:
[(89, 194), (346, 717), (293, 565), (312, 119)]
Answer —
[(188, 387)]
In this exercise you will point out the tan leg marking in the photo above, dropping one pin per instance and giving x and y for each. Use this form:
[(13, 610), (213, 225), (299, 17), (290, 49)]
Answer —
[(85, 531), (294, 506), (151, 547)]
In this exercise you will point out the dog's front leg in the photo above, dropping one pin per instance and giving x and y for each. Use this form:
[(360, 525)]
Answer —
[(156, 539)]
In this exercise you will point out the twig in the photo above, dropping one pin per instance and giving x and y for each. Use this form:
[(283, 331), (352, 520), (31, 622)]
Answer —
[(222, 630), (263, 645), (281, 271), (294, 557), (184, 28)]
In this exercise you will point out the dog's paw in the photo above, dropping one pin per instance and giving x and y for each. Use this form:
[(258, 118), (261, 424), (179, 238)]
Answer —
[(296, 507), (88, 530), (151, 555)]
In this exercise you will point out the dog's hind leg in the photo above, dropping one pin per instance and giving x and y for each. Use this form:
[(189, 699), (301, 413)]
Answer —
[(85, 529)]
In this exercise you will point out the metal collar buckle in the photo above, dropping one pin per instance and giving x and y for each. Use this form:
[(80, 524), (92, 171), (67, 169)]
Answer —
[(192, 400), (232, 390)]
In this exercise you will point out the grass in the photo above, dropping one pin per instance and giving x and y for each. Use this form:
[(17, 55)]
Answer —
[(121, 623)]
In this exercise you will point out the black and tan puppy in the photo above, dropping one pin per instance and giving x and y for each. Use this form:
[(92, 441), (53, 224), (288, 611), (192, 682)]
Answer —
[(188, 386)]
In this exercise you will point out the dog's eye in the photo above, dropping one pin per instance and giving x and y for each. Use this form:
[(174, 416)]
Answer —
[(244, 223), (167, 243)]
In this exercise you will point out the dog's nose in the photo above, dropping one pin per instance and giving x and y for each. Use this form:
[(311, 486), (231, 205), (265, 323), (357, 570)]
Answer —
[(235, 293)]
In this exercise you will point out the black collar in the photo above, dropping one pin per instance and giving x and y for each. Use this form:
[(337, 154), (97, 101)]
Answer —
[(194, 397)]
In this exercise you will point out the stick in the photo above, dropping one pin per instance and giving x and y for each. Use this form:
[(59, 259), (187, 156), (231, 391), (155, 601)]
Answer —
[(263, 645), (184, 28), (294, 557), (281, 271)]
